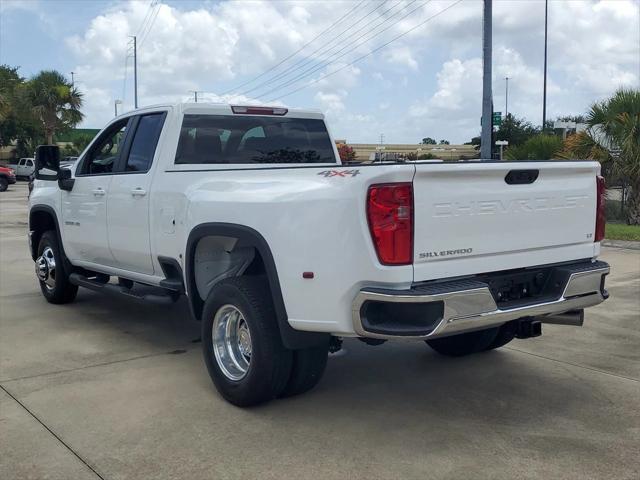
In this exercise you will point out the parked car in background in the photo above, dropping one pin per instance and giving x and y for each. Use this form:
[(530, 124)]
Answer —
[(7, 177), (25, 168)]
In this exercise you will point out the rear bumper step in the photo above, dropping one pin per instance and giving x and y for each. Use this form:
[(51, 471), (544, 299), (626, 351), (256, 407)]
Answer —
[(447, 308)]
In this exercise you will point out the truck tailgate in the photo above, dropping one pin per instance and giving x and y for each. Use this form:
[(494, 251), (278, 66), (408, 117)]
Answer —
[(477, 217)]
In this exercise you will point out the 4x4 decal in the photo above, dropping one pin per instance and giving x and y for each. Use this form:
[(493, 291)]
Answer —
[(339, 173)]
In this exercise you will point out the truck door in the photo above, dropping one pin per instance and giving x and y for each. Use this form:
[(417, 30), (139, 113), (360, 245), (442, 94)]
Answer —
[(21, 167), (128, 198), (84, 208), (29, 168)]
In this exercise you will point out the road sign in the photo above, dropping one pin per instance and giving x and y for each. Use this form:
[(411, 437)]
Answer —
[(496, 119)]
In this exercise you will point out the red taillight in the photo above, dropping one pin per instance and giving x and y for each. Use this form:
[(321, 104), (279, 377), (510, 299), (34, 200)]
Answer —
[(259, 110), (390, 216), (601, 217)]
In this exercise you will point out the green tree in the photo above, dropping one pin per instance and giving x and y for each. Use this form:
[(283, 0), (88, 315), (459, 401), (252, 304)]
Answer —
[(515, 130), (55, 102), (16, 119), (444, 142), (540, 147), (613, 138), (474, 141), (428, 141)]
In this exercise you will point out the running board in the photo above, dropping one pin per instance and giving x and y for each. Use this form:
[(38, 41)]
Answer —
[(96, 286)]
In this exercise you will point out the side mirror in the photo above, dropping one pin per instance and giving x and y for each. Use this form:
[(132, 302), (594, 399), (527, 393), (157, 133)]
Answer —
[(65, 182), (47, 162)]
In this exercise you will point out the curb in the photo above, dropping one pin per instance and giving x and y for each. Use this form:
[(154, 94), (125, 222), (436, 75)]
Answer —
[(628, 244)]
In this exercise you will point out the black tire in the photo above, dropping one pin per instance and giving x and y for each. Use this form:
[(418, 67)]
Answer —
[(307, 370), (4, 184), (506, 333), (270, 362), (62, 291), (464, 343)]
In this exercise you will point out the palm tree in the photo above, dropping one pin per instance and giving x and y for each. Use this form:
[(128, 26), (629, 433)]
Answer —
[(613, 138), (55, 102)]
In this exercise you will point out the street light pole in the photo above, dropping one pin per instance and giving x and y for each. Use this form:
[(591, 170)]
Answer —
[(487, 113), (135, 71), (506, 97), (544, 91)]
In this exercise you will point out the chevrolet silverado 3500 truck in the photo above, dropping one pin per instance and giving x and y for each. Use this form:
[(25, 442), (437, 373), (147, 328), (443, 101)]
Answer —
[(282, 250)]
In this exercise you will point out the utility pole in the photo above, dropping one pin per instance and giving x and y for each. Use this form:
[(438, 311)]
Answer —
[(506, 97), (72, 80), (135, 72), (487, 113), (544, 91), (381, 138), (195, 95)]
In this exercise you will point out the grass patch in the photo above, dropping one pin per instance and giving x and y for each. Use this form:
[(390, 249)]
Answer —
[(620, 231)]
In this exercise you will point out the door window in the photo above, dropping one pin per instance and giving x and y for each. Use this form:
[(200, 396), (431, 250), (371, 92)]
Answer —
[(144, 143), (29, 163), (105, 152)]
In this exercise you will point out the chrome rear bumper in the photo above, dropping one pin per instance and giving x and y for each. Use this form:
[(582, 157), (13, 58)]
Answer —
[(467, 305)]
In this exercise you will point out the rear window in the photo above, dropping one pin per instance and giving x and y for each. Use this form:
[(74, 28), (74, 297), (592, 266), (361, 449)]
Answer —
[(248, 139)]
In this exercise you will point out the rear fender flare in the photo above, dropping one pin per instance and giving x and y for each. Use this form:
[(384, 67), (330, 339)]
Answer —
[(247, 236)]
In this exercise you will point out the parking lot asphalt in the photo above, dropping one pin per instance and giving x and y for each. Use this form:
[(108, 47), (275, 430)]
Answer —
[(114, 388)]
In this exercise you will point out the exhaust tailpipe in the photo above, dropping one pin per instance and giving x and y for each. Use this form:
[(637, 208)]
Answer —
[(572, 317)]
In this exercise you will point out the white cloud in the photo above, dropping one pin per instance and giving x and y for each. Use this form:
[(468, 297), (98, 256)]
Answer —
[(593, 48), (331, 103), (403, 56)]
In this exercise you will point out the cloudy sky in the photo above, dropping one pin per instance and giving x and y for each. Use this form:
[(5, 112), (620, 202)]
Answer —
[(426, 82)]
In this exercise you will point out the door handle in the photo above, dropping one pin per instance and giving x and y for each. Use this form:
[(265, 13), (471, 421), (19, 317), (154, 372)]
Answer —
[(99, 191), (138, 192)]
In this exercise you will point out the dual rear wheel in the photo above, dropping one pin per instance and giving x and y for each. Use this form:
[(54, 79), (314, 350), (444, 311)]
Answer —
[(243, 350)]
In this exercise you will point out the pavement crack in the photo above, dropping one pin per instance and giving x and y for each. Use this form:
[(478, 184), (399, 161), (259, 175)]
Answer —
[(54, 434), (574, 365), (93, 365)]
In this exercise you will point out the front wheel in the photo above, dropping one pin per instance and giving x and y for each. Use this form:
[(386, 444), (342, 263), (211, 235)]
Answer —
[(51, 273), (241, 342), (464, 343), (4, 184)]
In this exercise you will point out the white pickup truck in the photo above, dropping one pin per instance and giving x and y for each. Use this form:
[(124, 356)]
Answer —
[(282, 250)]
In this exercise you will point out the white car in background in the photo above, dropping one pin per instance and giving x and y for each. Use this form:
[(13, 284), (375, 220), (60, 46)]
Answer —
[(25, 167)]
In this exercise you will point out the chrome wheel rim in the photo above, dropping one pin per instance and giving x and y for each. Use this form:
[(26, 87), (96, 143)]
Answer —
[(46, 268), (231, 342)]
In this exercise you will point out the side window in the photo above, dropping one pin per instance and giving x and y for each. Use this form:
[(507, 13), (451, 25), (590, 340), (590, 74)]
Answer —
[(29, 163), (106, 151), (144, 143)]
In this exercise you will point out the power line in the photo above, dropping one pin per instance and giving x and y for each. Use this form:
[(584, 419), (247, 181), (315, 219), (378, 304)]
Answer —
[(293, 67), (326, 30), (151, 22), (350, 44), (368, 54), (146, 17), (350, 48), (124, 79)]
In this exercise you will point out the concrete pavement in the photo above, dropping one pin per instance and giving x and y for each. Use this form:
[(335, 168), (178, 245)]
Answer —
[(116, 389)]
